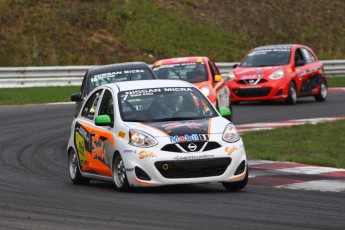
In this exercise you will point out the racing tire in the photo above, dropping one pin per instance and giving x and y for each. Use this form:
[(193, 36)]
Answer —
[(292, 95), (322, 95), (73, 168), (119, 174), (238, 185)]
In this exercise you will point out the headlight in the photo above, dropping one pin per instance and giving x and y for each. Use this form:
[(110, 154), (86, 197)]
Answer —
[(141, 139), (231, 76), (230, 134), (277, 74), (206, 91)]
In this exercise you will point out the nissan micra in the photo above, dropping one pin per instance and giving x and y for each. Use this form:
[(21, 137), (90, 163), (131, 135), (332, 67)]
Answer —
[(154, 133)]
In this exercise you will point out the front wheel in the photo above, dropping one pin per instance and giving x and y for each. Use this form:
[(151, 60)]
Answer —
[(74, 172), (238, 185), (292, 96), (322, 95), (119, 174)]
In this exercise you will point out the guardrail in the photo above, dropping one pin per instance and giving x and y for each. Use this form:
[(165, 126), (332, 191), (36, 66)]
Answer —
[(20, 77)]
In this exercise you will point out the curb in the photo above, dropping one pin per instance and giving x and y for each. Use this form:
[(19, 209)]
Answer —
[(292, 175)]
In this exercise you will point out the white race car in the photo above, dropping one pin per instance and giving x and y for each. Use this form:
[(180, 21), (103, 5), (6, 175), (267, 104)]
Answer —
[(153, 133)]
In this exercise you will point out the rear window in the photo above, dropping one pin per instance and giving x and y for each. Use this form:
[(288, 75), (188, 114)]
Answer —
[(117, 76)]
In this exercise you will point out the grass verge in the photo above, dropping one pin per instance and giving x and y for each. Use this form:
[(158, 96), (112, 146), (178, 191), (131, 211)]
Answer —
[(36, 95), (320, 144), (336, 81)]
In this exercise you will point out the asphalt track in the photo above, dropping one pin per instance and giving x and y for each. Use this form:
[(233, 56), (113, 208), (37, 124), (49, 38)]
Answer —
[(36, 191)]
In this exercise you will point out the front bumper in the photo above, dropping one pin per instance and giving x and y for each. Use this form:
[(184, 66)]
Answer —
[(156, 166), (270, 90)]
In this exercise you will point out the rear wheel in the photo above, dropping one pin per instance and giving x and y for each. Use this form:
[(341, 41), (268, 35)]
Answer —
[(73, 166), (292, 96), (119, 174), (238, 185), (323, 92)]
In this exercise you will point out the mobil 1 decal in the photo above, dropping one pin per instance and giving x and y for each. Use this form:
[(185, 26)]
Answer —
[(181, 131)]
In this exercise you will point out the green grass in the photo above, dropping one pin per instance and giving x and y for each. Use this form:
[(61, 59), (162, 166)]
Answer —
[(336, 82), (36, 95), (321, 144)]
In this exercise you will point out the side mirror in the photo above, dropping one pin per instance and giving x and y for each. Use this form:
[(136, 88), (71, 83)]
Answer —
[(234, 66), (218, 78), (76, 97), (224, 111), (103, 120), (300, 63)]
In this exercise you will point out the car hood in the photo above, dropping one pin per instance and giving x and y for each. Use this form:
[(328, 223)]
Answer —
[(183, 127), (244, 73)]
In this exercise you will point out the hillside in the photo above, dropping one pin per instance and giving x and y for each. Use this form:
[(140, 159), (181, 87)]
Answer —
[(94, 32)]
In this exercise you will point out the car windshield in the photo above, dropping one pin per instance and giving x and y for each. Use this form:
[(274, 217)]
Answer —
[(191, 71), (164, 104), (267, 57), (117, 76)]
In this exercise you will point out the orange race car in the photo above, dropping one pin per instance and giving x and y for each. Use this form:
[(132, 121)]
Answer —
[(201, 72)]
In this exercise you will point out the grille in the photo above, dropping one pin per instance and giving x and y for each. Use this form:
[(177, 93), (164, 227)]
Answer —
[(212, 145), (252, 92), (246, 82), (174, 147), (193, 168)]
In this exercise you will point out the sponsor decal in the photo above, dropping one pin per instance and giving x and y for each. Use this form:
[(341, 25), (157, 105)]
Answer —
[(80, 144), (145, 153), (152, 91), (189, 137), (129, 151), (98, 148), (129, 169), (121, 135), (265, 50), (193, 157), (175, 125), (83, 133), (114, 74), (230, 150), (250, 77)]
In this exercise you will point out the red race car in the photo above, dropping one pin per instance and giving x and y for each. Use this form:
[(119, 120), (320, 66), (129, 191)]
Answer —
[(201, 72), (278, 72)]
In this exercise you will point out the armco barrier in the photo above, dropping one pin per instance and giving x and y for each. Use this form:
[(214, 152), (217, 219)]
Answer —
[(18, 77)]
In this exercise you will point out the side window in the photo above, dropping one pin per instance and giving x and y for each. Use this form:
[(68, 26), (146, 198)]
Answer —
[(214, 70), (83, 85), (298, 55), (107, 105), (90, 107), (309, 57)]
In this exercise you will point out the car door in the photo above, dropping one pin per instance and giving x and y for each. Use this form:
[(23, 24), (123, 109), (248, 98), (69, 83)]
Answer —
[(221, 89), (302, 72), (310, 70), (95, 144)]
